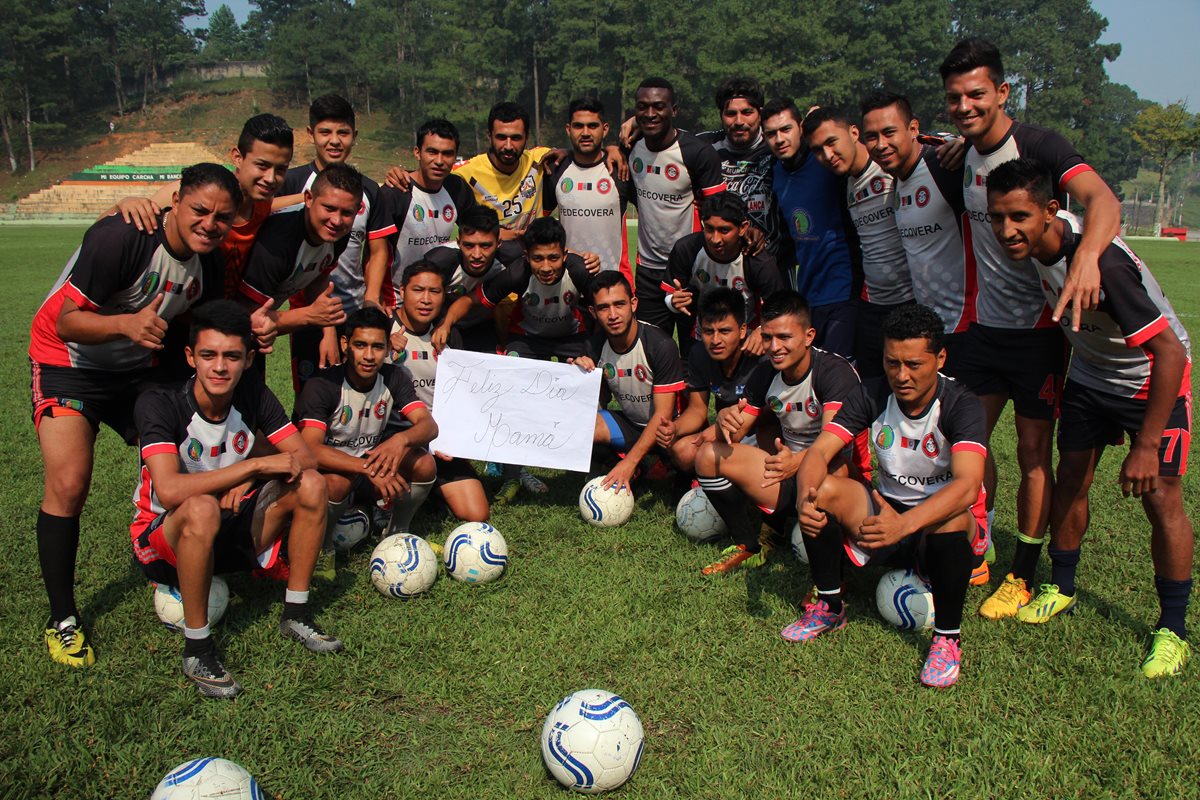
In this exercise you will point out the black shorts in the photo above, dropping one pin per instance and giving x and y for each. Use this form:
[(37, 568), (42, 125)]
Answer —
[(623, 432), (834, 323), (954, 343), (1092, 419), (868, 337), (1026, 365), (96, 395), (479, 338), (453, 471), (233, 549), (562, 348), (306, 355)]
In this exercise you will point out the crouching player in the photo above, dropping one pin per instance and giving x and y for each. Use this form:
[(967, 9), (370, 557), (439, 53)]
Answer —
[(204, 506), (928, 433), (1129, 374), (349, 417), (803, 387)]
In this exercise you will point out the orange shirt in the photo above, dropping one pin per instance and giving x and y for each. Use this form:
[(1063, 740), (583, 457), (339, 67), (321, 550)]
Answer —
[(236, 248)]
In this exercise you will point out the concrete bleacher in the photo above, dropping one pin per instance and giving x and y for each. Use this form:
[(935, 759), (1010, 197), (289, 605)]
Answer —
[(93, 191)]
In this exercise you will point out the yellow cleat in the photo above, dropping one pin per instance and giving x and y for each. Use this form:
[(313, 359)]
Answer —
[(1049, 603), (1006, 601), (67, 644), (1168, 654), (734, 556)]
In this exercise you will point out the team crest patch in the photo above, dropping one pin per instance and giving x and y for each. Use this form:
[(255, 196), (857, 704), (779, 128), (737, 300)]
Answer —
[(637, 165), (568, 298), (150, 283), (531, 299), (346, 415), (401, 356), (604, 186), (567, 185), (929, 446), (801, 222), (610, 371), (968, 176), (380, 409), (448, 213), (418, 213), (362, 208), (885, 438), (240, 440), (775, 404), (672, 172), (812, 407), (640, 373), (922, 197), (702, 275), (739, 284), (194, 449), (877, 185), (528, 187)]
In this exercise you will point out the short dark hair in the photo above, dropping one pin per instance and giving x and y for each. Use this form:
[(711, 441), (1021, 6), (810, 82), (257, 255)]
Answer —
[(544, 230), (206, 173), (507, 112), (420, 267), (881, 99), (819, 116), (367, 317), (719, 303), (266, 128), (783, 303), (1022, 173), (339, 176), (972, 54), (589, 104), (330, 106), (608, 279), (780, 105), (746, 88), (916, 322), (441, 128), (729, 206), (658, 83), (223, 316), (479, 219)]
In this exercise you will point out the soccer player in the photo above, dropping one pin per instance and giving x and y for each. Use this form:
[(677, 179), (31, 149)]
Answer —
[(422, 216), (1129, 374), (671, 171), (803, 387), (204, 505), (930, 215), (1014, 349), (93, 341), (715, 257), (927, 431), (350, 417), (720, 367), (590, 201), (465, 267), (812, 202), (642, 372), (871, 202)]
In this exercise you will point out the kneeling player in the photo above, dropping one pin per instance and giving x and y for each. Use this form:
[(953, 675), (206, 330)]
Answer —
[(928, 433), (803, 387), (1129, 374), (344, 415), (205, 506), (465, 267)]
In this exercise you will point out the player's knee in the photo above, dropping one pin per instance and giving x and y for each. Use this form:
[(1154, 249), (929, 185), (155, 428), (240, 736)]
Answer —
[(475, 510), (199, 517), (600, 433), (425, 469), (683, 455), (705, 462), (1033, 451), (311, 491), (66, 490)]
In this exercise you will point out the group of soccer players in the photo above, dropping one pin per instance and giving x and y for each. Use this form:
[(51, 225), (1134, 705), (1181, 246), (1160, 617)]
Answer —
[(831, 285)]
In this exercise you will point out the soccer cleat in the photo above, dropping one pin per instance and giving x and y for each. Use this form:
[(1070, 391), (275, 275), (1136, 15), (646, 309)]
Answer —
[(990, 554), (308, 634), (210, 676), (816, 620), (67, 643), (942, 664), (326, 567), (437, 549), (531, 483), (734, 556), (811, 598), (980, 575), (492, 470), (1168, 654), (279, 571), (1048, 602), (1006, 601), (507, 493)]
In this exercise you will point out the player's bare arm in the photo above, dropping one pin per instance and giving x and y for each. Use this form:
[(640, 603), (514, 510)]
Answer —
[(142, 212), (622, 474), (1139, 470), (386, 456), (173, 487), (734, 422), (143, 327), (695, 417), (812, 472), (944, 510), (1102, 223), (324, 309)]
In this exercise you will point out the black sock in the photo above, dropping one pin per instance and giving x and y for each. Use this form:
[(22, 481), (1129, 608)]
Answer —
[(825, 556), (58, 544), (295, 610), (1173, 600), (1062, 569), (1025, 560), (197, 647), (731, 506), (948, 559)]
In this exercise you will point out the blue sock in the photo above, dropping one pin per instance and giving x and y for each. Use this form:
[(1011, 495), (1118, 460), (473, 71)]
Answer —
[(1062, 569), (1173, 600)]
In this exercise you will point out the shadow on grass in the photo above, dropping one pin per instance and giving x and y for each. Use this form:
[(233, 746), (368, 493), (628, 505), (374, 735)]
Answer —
[(113, 593)]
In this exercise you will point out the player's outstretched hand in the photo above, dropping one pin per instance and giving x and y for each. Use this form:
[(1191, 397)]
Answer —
[(730, 421), (621, 476), (1081, 289), (754, 344), (754, 242), (812, 519), (883, 529), (780, 466), (264, 326), (146, 327), (681, 298), (139, 212), (585, 363), (398, 178), (1139, 471), (327, 309), (232, 499)]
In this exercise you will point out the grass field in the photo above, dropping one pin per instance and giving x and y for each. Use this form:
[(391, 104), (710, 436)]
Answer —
[(444, 696)]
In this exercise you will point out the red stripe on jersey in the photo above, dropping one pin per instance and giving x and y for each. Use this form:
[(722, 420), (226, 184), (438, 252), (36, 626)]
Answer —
[(158, 448), (314, 423), (1146, 333), (278, 436), (82, 300), (253, 294), (624, 265), (482, 298), (145, 514), (838, 431), (711, 190), (382, 232), (969, 447), (751, 410), (832, 405), (970, 276), (411, 407), (45, 345), (1073, 172), (677, 386), (666, 287)]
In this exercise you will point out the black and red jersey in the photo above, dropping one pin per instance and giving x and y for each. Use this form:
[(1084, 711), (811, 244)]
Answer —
[(650, 366), (353, 420), (591, 206), (800, 406), (755, 278), (541, 310), (283, 262)]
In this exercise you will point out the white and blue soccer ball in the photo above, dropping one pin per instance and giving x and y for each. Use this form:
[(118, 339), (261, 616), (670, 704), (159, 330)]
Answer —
[(605, 507), (168, 603), (592, 741), (799, 547), (351, 528), (403, 566), (698, 520), (905, 600), (475, 552), (206, 778)]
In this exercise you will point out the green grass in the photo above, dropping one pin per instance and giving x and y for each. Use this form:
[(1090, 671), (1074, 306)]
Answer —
[(445, 695)]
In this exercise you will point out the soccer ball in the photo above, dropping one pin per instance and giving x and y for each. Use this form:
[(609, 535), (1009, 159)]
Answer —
[(697, 518), (168, 603), (208, 778), (799, 546), (403, 565), (605, 508), (592, 741), (905, 600), (351, 528), (475, 553)]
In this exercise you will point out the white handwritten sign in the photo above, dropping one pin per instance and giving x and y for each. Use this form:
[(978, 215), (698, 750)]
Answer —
[(515, 410)]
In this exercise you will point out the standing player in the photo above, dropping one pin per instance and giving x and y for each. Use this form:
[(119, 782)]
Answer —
[(927, 432), (671, 171), (871, 202), (590, 201), (803, 387), (204, 505), (811, 201), (91, 344), (1129, 374), (1014, 349)]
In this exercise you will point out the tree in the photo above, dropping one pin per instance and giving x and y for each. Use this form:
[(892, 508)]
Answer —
[(224, 40), (1166, 134)]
